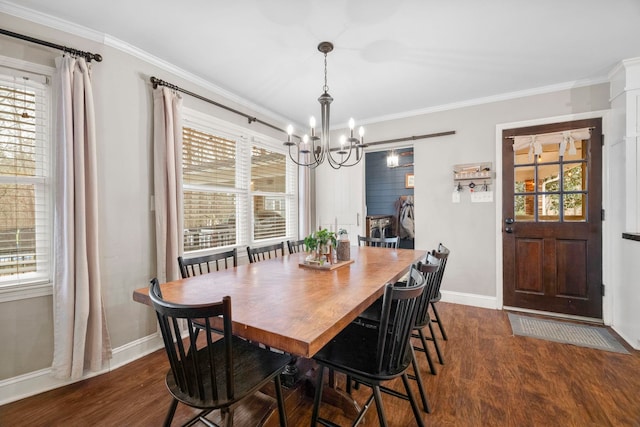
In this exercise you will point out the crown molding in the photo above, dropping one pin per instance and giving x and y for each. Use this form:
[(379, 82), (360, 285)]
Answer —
[(50, 21), (490, 99)]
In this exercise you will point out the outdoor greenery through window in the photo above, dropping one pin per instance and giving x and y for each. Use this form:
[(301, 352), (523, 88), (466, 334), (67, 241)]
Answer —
[(25, 181), (551, 187), (238, 190)]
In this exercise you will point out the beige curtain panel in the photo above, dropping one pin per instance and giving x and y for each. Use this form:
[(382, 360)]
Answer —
[(81, 339), (167, 169), (565, 140)]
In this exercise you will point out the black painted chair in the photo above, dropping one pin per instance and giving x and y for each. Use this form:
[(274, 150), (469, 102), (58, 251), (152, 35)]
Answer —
[(214, 374), (265, 252), (206, 264), (295, 246), (379, 242), (374, 355), (430, 268), (443, 255)]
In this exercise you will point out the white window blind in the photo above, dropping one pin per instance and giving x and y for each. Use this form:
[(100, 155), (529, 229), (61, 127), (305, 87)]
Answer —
[(25, 179), (238, 189)]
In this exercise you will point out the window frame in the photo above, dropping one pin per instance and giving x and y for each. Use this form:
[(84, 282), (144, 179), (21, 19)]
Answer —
[(41, 284), (246, 139)]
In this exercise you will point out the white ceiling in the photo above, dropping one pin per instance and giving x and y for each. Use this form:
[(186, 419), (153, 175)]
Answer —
[(391, 58)]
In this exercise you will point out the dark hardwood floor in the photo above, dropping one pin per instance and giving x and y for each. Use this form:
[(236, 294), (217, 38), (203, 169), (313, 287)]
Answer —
[(490, 378)]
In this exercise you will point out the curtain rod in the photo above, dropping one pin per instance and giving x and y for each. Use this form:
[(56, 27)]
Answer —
[(548, 133), (412, 138), (87, 55), (157, 82)]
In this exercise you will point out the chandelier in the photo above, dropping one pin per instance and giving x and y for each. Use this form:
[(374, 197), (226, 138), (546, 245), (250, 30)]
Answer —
[(312, 150)]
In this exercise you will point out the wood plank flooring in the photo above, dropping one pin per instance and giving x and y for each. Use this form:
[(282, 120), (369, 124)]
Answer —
[(490, 378)]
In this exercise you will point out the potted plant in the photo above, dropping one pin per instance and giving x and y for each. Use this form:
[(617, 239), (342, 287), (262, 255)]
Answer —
[(320, 245)]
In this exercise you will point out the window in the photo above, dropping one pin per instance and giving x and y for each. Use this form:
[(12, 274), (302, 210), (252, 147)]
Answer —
[(551, 187), (239, 188), (25, 180)]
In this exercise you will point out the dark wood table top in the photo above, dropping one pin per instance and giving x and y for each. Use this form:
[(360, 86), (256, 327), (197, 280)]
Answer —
[(291, 308)]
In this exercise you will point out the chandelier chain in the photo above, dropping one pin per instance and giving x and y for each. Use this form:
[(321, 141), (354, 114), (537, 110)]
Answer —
[(325, 88)]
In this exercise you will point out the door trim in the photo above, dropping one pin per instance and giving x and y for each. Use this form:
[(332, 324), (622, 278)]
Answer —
[(607, 300)]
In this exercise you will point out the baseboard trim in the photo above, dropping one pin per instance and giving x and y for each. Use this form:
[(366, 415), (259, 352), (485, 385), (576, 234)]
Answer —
[(473, 300), (37, 382)]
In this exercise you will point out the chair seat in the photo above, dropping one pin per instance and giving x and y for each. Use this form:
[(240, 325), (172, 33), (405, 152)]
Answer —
[(253, 366), (437, 298), (339, 353)]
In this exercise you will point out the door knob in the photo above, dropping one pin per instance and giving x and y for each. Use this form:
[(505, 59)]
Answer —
[(509, 221), (508, 230)]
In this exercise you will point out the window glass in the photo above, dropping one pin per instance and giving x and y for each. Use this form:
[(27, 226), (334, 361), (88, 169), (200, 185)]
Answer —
[(235, 192), (25, 210)]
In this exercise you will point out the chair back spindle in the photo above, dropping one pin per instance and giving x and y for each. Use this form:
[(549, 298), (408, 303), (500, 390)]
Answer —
[(379, 242)]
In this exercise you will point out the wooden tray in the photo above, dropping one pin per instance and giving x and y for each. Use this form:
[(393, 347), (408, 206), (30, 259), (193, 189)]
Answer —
[(326, 266)]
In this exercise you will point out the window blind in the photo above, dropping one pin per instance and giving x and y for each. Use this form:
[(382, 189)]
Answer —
[(238, 189), (25, 179)]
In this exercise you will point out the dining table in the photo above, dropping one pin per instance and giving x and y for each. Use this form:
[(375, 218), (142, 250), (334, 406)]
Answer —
[(287, 305)]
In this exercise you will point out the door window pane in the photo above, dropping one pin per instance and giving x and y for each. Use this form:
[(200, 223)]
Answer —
[(549, 207), (574, 207), (548, 178), (524, 208), (524, 179), (573, 177), (521, 157), (581, 153)]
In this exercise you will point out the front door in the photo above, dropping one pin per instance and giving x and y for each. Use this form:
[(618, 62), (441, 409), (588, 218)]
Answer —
[(552, 223)]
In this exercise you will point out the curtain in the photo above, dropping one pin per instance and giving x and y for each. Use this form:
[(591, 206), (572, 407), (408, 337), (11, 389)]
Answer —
[(562, 139), (167, 165), (81, 338)]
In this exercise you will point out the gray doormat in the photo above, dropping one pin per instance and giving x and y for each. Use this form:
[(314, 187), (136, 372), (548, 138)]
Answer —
[(565, 332)]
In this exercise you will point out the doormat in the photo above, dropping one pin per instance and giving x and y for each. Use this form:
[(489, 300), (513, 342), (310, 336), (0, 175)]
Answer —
[(565, 332)]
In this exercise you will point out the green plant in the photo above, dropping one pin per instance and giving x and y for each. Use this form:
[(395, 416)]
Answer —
[(326, 237), (310, 243), (320, 240)]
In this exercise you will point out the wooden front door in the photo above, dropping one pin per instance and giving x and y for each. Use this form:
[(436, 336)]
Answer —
[(552, 220)]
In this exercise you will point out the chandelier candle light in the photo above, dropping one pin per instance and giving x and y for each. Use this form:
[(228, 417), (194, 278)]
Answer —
[(312, 150)]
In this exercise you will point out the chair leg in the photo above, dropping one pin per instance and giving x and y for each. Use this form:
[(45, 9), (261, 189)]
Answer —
[(425, 349), (416, 372), (412, 400), (378, 397), (282, 415), (317, 397), (435, 344), (438, 321), (170, 413)]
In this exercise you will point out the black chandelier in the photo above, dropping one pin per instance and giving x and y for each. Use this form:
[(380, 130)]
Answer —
[(313, 150)]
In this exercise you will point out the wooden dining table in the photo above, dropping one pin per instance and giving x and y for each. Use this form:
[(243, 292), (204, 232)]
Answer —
[(290, 307)]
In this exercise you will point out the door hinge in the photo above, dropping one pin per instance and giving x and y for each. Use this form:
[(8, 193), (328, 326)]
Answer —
[(602, 289), (602, 139), (602, 214)]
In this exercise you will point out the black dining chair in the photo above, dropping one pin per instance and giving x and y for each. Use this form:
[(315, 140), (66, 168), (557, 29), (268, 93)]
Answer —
[(212, 375), (430, 268), (207, 263), (371, 316), (374, 355), (295, 246), (379, 242), (442, 253), (265, 252)]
